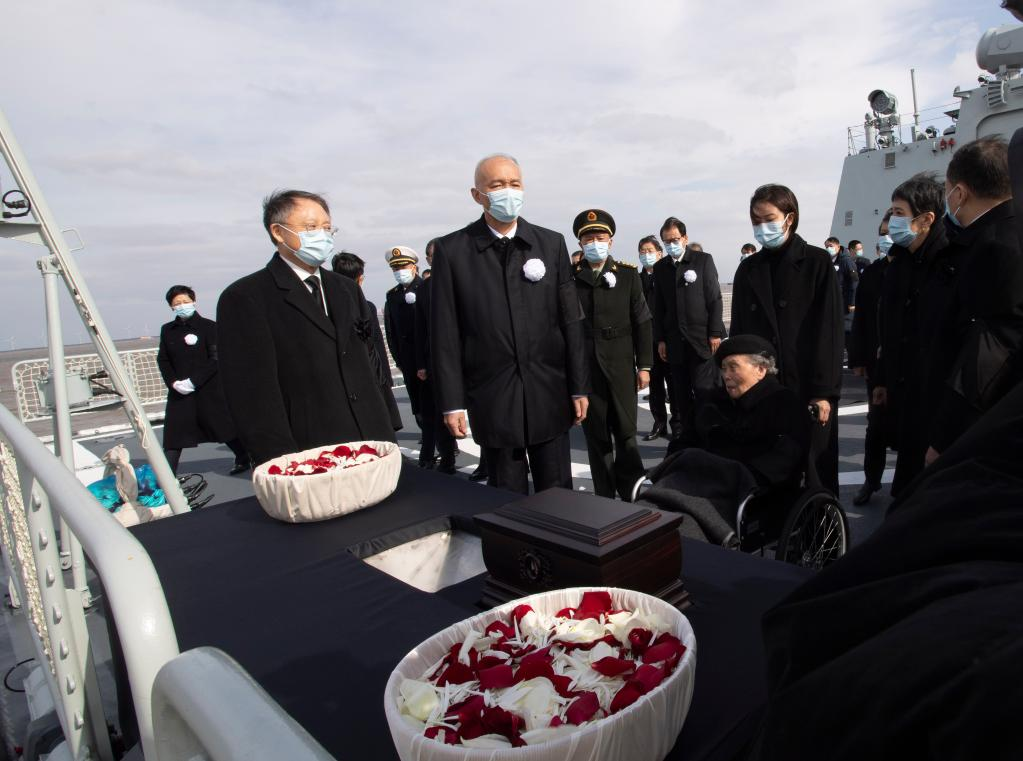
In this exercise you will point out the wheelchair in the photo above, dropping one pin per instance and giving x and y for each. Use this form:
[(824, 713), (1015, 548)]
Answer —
[(803, 524)]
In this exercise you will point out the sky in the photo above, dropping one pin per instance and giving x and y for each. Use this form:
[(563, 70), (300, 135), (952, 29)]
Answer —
[(156, 128)]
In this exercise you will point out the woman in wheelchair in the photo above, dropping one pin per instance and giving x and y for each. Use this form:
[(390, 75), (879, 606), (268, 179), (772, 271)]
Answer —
[(751, 435)]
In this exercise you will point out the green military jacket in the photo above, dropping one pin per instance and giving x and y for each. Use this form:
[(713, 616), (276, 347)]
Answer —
[(618, 324)]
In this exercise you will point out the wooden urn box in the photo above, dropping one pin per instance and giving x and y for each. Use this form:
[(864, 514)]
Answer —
[(560, 538)]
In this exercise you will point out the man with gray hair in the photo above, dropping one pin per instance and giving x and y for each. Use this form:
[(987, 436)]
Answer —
[(507, 336)]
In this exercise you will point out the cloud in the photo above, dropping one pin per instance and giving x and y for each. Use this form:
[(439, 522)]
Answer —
[(156, 128)]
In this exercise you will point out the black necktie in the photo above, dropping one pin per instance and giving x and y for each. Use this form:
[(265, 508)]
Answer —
[(314, 282)]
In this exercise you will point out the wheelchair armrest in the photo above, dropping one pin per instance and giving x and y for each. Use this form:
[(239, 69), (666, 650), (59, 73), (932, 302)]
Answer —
[(641, 485), (744, 507)]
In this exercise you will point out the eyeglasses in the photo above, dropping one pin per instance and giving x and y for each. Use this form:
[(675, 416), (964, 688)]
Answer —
[(311, 229)]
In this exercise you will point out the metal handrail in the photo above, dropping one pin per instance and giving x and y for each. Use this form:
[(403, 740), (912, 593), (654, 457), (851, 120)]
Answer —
[(205, 706), (136, 599)]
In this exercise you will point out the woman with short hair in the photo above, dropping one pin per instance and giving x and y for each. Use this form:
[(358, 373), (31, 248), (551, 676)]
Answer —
[(196, 410)]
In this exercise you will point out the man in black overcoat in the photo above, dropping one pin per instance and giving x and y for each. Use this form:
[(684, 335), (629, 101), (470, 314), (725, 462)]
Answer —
[(688, 325), (400, 319), (789, 295), (863, 345), (187, 358), (295, 342), (437, 439), (507, 336), (975, 302), (619, 351), (660, 389)]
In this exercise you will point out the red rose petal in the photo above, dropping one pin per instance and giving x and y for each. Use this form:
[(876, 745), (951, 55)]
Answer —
[(534, 669), (647, 677), (506, 631), (639, 640), (520, 611), (497, 677), (625, 697), (593, 605), (367, 449), (456, 673), (565, 613), (444, 734), (467, 709), (501, 722), (556, 721), (274, 470), (582, 708), (664, 649), (613, 666), (563, 685), (342, 451)]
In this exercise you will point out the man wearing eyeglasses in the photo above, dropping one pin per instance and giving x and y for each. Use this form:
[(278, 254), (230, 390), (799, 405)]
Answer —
[(295, 342)]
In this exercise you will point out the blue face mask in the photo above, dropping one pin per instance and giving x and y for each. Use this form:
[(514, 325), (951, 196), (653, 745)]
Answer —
[(184, 311), (316, 248), (951, 215), (770, 234), (884, 244), (505, 204), (648, 260), (404, 277), (674, 249), (596, 251), (900, 231)]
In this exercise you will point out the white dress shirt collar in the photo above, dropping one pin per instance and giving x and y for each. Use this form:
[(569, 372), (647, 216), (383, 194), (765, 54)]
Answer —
[(303, 275), (509, 235)]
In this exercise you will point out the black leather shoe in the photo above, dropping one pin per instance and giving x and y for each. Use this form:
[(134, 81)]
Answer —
[(239, 467), (447, 468), (427, 464), (655, 433), (865, 493), (480, 474)]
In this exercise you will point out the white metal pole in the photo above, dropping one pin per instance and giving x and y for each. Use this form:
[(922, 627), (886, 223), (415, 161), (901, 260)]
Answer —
[(916, 110), (62, 443), (53, 239)]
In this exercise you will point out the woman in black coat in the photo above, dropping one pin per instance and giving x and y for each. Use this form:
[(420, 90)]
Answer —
[(196, 410), (788, 293)]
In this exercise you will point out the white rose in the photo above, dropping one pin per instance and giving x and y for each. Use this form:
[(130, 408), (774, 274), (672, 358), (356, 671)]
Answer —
[(534, 270), (689, 276), (611, 279), (420, 698), (410, 298), (191, 339)]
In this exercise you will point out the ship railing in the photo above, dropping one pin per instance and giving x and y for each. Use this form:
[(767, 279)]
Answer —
[(37, 492), (935, 116)]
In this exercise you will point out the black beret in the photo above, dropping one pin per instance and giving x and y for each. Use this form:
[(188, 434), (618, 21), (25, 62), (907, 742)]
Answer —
[(744, 344), (593, 219)]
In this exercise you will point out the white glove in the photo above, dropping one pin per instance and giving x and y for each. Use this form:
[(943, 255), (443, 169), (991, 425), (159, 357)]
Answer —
[(184, 387)]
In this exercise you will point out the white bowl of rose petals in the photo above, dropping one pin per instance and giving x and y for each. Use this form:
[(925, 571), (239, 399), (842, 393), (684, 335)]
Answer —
[(585, 673), (327, 482)]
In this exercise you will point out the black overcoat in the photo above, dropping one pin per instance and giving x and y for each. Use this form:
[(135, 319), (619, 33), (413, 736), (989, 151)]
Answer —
[(767, 429), (687, 313), (864, 340), (400, 325), (506, 348), (618, 332), (384, 378), (973, 310), (188, 349), (295, 378), (804, 319)]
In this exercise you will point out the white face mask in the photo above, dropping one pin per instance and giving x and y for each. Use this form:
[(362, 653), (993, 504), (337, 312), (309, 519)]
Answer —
[(832, 250), (404, 277)]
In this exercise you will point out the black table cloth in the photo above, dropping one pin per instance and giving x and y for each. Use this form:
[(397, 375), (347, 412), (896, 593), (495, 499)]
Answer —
[(321, 631)]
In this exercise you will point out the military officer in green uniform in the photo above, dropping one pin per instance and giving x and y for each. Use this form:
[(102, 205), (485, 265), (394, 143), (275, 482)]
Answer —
[(620, 350)]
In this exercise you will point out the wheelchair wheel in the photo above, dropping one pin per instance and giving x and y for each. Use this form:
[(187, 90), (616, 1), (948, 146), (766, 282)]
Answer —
[(815, 533)]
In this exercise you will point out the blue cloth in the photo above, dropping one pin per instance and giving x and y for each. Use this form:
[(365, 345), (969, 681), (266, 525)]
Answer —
[(150, 493)]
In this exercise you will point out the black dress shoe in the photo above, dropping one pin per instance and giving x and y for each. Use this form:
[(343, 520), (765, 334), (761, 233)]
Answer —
[(656, 432), (239, 467), (865, 493), (480, 474), (447, 468), (427, 464)]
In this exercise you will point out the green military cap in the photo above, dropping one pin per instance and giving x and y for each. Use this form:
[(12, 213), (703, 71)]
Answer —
[(593, 219)]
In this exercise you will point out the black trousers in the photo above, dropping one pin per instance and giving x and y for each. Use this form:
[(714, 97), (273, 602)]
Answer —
[(414, 389), (174, 455), (692, 380), (436, 436), (550, 463), (824, 444), (661, 391), (615, 461), (875, 451)]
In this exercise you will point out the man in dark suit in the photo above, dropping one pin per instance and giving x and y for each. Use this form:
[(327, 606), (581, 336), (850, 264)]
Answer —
[(295, 342), (688, 326), (619, 348), (436, 436), (400, 320), (507, 336), (650, 252)]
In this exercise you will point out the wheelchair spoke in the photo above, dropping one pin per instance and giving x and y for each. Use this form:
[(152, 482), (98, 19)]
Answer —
[(817, 537)]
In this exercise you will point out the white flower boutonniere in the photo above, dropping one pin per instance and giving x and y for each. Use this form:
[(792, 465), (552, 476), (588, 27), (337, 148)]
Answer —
[(611, 279), (410, 297), (689, 276), (191, 339), (534, 270)]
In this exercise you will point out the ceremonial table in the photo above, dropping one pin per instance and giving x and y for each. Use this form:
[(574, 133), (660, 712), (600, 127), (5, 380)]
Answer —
[(321, 630)]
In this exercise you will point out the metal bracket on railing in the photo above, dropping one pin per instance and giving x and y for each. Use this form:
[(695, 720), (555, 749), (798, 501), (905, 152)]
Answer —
[(81, 243)]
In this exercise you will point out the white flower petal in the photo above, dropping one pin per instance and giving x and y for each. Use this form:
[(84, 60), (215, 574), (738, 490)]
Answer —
[(420, 698), (487, 741)]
